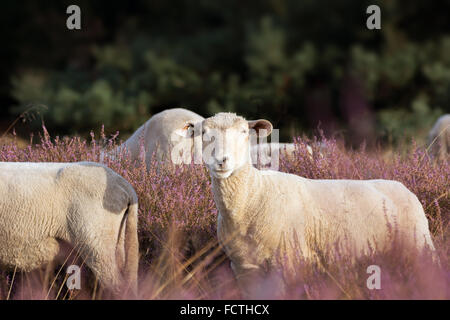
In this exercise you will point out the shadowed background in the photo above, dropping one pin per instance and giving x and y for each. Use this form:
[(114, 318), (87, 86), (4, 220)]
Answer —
[(301, 64)]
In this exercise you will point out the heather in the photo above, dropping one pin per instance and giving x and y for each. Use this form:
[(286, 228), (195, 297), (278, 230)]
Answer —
[(180, 257)]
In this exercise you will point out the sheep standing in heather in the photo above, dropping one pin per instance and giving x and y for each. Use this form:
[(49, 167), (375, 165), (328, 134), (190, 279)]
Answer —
[(166, 135), (263, 212), (84, 204), (439, 137)]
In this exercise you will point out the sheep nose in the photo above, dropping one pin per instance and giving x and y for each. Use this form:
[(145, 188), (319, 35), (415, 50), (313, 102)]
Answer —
[(223, 161)]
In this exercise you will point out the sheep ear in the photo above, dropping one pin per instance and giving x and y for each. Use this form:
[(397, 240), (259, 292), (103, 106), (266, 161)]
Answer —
[(261, 126), (185, 132)]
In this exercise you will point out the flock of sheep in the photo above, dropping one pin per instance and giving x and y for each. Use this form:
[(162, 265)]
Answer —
[(261, 212)]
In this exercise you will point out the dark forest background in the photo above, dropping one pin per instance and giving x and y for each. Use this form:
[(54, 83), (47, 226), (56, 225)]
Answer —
[(303, 64)]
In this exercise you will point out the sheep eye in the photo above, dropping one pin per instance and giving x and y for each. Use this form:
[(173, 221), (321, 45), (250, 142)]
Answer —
[(187, 127), (244, 131)]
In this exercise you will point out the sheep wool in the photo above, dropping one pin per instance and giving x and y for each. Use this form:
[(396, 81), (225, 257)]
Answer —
[(84, 204)]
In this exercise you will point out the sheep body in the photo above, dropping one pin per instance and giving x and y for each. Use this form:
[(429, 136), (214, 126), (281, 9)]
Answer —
[(266, 206), (84, 204)]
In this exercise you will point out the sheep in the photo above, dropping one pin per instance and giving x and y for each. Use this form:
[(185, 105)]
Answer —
[(84, 204), (167, 135), (170, 134), (264, 211), (439, 138)]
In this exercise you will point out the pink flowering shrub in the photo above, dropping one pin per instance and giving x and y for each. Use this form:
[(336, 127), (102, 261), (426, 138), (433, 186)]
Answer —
[(180, 257)]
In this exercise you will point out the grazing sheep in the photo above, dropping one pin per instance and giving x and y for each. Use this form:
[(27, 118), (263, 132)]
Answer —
[(264, 211), (439, 137), (168, 134), (84, 204)]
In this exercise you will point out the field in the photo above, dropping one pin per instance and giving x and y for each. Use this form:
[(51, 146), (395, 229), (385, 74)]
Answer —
[(180, 257)]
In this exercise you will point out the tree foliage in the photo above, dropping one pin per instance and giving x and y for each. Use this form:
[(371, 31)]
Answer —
[(298, 63)]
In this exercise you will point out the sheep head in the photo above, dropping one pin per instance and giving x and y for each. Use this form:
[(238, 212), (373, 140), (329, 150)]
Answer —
[(226, 142)]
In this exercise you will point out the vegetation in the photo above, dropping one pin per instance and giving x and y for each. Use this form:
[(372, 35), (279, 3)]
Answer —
[(180, 257), (301, 64)]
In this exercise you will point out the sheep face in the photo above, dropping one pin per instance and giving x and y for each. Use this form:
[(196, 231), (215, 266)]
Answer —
[(226, 146)]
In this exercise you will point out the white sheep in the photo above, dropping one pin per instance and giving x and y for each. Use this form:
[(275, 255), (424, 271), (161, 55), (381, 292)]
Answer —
[(166, 135), (263, 211), (439, 137), (84, 204)]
